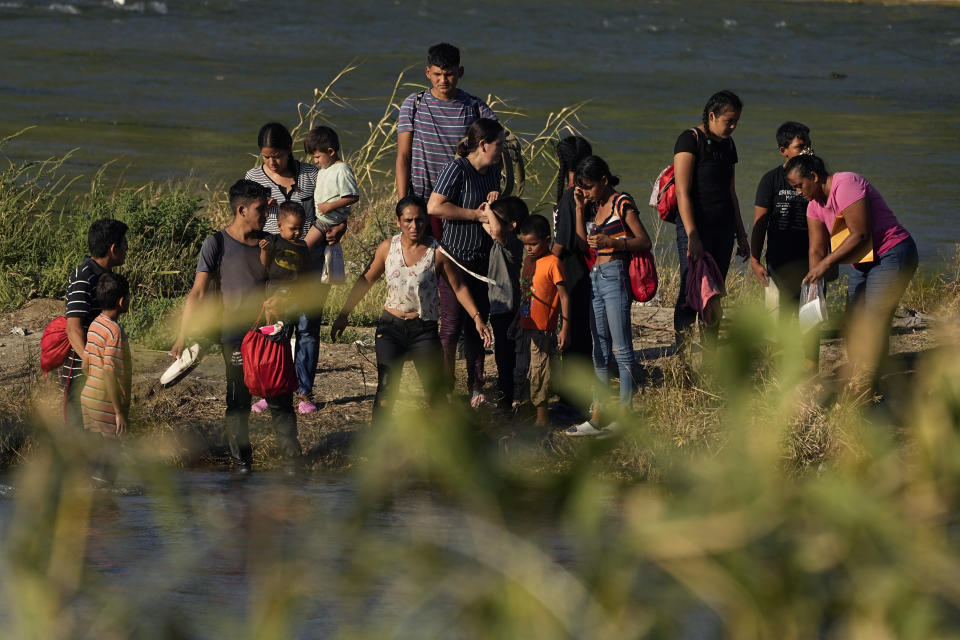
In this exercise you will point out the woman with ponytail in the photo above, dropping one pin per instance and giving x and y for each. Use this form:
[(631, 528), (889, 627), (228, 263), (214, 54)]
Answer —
[(461, 198), (709, 213), (846, 211)]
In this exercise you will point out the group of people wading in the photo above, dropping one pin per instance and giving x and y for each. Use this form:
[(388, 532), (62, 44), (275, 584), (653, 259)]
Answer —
[(470, 267)]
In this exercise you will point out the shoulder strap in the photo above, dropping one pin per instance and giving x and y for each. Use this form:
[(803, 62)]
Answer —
[(419, 99), (218, 245), (416, 105), (620, 200)]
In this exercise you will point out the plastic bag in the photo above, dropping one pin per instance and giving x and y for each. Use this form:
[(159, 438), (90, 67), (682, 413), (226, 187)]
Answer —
[(642, 271), (813, 305), (771, 298), (334, 269)]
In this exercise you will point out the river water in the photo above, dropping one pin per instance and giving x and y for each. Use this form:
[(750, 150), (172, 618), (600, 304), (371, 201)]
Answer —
[(195, 553), (173, 88), (209, 554)]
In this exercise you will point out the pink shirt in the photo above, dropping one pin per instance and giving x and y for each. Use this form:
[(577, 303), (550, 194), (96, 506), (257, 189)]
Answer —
[(846, 189)]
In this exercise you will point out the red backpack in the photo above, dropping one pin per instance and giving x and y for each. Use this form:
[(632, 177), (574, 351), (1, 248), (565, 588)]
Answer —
[(54, 345), (663, 198), (268, 363), (642, 270)]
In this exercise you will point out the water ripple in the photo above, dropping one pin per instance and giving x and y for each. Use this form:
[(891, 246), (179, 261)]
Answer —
[(68, 9)]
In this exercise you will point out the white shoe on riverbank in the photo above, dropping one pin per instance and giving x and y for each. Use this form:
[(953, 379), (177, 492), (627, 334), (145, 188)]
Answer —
[(583, 429)]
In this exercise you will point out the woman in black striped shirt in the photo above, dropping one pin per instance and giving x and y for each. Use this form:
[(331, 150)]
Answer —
[(461, 199)]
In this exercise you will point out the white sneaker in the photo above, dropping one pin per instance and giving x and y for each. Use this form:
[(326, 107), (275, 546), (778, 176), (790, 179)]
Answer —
[(583, 429), (612, 429)]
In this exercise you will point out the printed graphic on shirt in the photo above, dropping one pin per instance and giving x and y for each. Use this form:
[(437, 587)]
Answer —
[(288, 259)]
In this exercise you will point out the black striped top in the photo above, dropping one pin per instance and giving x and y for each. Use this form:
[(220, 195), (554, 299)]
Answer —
[(81, 303), (465, 187)]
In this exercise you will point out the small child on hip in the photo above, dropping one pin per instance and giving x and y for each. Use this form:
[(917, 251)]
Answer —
[(285, 256), (336, 190), (543, 298)]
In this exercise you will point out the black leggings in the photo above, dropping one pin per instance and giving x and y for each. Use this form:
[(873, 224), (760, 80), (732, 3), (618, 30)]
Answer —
[(455, 321), (505, 353), (399, 340), (719, 244)]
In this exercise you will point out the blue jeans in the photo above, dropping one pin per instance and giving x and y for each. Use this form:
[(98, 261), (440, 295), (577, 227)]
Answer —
[(610, 327), (875, 288), (878, 285), (306, 352)]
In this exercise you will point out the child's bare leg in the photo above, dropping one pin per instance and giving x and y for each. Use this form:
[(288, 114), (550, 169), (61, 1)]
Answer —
[(595, 412), (543, 416), (315, 236)]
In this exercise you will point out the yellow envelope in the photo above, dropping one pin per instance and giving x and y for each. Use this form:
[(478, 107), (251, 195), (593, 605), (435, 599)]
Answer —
[(840, 232)]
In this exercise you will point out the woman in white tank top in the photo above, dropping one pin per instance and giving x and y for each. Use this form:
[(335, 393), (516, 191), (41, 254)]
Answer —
[(408, 326)]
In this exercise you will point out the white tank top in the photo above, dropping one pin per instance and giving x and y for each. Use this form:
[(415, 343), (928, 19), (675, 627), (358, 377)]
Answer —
[(413, 288)]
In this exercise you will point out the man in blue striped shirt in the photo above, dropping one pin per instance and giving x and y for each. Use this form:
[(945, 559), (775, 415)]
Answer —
[(431, 123)]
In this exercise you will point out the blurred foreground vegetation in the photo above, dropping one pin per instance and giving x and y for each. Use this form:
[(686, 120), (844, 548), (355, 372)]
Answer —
[(451, 530)]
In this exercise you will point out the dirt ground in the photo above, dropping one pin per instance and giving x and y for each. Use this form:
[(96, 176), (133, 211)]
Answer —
[(192, 410)]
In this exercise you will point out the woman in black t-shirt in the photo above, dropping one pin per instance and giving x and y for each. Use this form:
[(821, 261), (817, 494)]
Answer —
[(704, 159)]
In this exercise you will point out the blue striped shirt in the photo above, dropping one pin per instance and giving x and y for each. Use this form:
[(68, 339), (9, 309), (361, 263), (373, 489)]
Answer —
[(465, 187), (439, 127)]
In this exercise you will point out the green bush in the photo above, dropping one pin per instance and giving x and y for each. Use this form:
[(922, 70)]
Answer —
[(43, 235)]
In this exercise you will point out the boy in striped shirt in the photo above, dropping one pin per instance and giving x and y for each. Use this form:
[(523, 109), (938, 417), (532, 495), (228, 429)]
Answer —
[(107, 368), (431, 124), (105, 400)]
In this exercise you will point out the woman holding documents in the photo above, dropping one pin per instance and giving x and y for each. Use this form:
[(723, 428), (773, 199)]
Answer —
[(849, 222)]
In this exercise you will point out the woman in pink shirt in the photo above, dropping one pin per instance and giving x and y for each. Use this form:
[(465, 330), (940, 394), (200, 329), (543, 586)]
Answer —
[(880, 250)]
